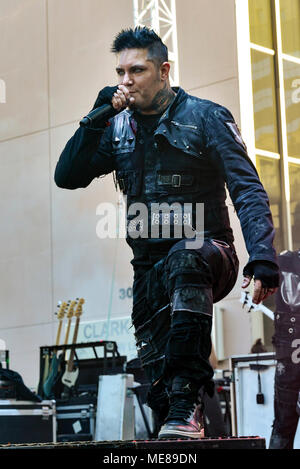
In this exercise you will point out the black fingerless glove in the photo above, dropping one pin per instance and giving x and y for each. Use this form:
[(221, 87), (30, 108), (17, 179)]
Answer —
[(105, 96), (265, 271)]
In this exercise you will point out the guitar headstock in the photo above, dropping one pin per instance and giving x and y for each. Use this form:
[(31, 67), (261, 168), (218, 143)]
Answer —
[(78, 311), (62, 309), (70, 312)]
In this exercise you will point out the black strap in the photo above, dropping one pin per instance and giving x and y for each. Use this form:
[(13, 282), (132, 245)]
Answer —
[(175, 180)]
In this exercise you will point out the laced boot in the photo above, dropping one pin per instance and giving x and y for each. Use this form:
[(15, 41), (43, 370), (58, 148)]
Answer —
[(185, 417)]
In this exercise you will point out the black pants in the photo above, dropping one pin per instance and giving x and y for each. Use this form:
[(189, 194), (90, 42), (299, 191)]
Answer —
[(287, 379), (172, 312)]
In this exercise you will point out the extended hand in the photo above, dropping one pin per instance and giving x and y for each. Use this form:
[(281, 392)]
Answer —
[(266, 279)]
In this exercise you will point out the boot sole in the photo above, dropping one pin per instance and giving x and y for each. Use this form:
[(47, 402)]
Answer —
[(179, 434)]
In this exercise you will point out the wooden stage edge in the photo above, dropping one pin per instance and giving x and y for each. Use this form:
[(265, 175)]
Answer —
[(246, 442)]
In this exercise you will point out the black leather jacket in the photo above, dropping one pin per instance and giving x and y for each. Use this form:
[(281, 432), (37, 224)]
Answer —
[(197, 150)]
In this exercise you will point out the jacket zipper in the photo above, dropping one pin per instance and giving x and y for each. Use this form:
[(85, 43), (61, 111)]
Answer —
[(189, 126)]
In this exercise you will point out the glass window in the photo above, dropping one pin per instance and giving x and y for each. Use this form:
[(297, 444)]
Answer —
[(290, 29), (264, 101), (291, 73), (269, 173), (294, 171), (261, 23)]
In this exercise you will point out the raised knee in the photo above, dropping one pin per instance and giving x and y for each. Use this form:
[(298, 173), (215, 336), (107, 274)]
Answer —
[(193, 299), (186, 268)]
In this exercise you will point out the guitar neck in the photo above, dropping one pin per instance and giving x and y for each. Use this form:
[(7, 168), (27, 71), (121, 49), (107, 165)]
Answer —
[(72, 354), (68, 331), (58, 332), (60, 317)]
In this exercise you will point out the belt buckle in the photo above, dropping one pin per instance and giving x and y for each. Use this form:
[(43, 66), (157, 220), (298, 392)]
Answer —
[(178, 183)]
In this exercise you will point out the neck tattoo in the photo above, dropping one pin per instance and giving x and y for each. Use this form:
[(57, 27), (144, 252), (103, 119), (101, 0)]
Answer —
[(162, 99)]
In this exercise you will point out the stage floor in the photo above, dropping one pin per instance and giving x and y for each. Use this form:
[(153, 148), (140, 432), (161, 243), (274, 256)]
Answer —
[(247, 442)]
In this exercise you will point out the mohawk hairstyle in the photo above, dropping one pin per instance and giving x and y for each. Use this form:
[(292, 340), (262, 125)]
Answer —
[(141, 37)]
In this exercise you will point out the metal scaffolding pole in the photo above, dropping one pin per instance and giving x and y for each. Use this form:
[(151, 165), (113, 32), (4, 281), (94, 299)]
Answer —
[(160, 15)]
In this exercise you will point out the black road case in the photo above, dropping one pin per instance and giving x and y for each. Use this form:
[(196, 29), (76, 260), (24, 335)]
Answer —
[(27, 421), (76, 422)]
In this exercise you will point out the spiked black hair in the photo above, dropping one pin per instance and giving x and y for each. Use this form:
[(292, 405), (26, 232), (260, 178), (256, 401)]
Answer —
[(142, 38)]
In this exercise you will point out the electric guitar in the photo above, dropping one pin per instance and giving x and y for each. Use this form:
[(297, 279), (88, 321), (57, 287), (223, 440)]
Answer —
[(70, 314), (60, 367), (49, 382), (70, 375)]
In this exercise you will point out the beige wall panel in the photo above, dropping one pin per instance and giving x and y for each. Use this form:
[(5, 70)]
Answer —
[(26, 289), (24, 195), (237, 329), (225, 93), (80, 61), (23, 67), (206, 41), (88, 271), (84, 264), (24, 345), (25, 235)]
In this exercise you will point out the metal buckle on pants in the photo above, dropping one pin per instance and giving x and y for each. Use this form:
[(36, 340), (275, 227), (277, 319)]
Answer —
[(178, 180)]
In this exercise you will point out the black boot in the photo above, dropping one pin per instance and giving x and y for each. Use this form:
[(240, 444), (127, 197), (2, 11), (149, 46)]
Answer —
[(185, 417)]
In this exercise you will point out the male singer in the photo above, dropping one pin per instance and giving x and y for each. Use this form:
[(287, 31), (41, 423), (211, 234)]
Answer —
[(168, 147)]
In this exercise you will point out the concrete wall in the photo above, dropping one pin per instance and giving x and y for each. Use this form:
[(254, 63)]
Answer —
[(55, 57)]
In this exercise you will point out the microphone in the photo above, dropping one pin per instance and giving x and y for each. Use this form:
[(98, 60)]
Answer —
[(106, 111)]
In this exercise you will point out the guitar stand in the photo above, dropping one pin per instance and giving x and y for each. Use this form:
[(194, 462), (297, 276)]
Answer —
[(104, 358)]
